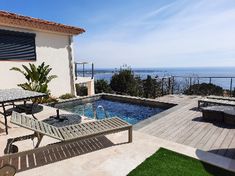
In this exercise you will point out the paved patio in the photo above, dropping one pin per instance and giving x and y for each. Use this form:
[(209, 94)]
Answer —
[(102, 156), (180, 129)]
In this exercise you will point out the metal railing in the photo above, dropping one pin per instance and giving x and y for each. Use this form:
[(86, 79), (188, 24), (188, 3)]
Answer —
[(168, 83), (82, 71)]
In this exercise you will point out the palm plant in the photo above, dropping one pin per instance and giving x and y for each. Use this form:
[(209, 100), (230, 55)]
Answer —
[(37, 77)]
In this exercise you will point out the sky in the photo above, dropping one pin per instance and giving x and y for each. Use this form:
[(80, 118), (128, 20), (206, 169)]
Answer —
[(143, 33)]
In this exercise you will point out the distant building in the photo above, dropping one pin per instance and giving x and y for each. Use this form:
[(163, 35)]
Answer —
[(26, 40)]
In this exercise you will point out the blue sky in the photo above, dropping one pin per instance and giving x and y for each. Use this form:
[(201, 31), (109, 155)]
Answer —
[(143, 33)]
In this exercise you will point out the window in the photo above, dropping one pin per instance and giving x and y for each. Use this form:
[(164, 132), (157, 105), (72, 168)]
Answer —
[(17, 46)]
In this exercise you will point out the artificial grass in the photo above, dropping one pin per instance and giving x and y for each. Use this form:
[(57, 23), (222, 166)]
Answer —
[(168, 163)]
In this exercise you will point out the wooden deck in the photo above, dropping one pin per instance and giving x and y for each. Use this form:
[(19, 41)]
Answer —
[(185, 125)]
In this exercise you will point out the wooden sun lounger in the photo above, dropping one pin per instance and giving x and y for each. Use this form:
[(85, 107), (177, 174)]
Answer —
[(67, 133), (7, 170), (215, 102), (221, 98)]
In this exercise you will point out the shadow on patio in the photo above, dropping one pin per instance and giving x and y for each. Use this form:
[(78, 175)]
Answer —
[(54, 152), (222, 164), (218, 124)]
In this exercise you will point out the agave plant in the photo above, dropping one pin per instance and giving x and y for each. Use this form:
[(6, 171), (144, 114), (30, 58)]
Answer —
[(37, 77)]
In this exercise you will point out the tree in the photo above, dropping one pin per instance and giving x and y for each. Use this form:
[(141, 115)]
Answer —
[(124, 82), (37, 77), (204, 89), (102, 86)]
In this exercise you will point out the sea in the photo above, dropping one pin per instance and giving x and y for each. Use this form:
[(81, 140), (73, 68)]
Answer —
[(106, 74)]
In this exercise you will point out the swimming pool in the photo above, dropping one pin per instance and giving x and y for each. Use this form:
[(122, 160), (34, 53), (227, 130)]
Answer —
[(132, 110), (101, 108)]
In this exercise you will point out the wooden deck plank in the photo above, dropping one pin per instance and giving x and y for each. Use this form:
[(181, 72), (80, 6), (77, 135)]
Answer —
[(163, 123), (196, 133), (206, 138), (212, 139), (177, 120), (178, 127), (226, 142), (219, 141), (200, 136), (231, 149), (181, 131), (188, 133)]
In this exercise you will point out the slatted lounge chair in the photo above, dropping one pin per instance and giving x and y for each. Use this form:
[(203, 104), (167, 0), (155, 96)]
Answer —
[(7, 170), (66, 133), (215, 102), (221, 98)]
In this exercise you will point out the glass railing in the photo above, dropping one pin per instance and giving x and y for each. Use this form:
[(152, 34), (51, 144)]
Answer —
[(84, 69)]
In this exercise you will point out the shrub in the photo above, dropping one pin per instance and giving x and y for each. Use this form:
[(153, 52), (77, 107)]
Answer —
[(81, 90), (37, 77), (139, 87), (204, 89), (102, 86), (67, 96), (149, 86), (49, 100), (124, 82)]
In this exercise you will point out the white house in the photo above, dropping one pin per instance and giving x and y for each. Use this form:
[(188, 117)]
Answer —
[(26, 40)]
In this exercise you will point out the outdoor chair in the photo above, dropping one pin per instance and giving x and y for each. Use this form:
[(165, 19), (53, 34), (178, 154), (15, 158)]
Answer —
[(10, 96), (29, 108), (9, 107), (66, 133), (225, 114), (221, 98), (210, 101), (7, 170)]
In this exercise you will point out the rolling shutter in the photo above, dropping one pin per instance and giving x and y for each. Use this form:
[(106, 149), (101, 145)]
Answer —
[(17, 46)]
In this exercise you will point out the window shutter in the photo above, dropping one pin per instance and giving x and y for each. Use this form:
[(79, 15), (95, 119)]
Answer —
[(17, 45)]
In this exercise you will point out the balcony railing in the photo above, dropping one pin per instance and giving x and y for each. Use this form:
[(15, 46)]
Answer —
[(84, 69), (176, 84)]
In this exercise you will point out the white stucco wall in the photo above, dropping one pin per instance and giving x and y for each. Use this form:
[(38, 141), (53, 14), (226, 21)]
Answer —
[(51, 48)]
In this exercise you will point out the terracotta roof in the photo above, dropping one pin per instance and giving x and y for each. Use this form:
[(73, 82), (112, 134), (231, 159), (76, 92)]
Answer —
[(12, 19)]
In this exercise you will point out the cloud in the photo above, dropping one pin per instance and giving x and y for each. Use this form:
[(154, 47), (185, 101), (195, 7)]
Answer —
[(182, 33)]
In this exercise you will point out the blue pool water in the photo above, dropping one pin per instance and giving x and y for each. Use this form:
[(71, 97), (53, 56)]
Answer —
[(131, 113)]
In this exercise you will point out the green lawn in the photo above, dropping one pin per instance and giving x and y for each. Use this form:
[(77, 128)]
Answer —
[(168, 163)]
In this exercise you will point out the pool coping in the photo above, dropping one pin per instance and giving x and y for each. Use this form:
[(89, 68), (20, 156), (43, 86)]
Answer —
[(123, 98), (170, 107)]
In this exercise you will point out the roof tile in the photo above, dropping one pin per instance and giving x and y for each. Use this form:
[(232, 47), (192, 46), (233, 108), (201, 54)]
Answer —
[(8, 18)]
